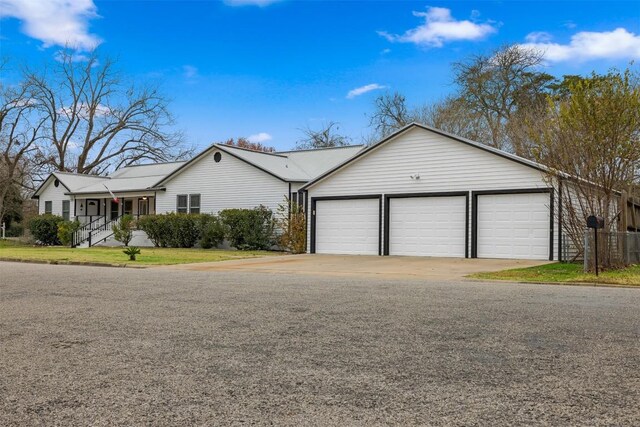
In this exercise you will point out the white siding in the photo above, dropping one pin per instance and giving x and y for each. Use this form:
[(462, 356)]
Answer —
[(443, 164), (51, 193), (231, 183)]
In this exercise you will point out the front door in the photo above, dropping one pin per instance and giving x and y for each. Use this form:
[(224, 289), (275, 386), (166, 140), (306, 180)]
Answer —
[(93, 207), (143, 206)]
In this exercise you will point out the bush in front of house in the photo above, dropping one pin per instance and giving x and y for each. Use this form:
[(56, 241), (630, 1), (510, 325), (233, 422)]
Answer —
[(185, 230), (66, 230), (123, 229), (157, 229), (44, 229), (15, 230), (212, 231), (249, 229), (175, 230), (292, 224)]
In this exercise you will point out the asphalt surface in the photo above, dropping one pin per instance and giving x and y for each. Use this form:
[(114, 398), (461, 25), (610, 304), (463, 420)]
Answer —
[(104, 346)]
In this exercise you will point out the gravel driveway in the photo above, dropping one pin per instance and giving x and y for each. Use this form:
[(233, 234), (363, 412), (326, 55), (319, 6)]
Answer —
[(105, 346)]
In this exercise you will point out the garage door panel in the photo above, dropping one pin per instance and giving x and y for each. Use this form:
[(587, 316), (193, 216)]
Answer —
[(427, 226), (513, 226), (348, 226)]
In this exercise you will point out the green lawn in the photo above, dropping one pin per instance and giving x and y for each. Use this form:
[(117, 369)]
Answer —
[(564, 273), (11, 250)]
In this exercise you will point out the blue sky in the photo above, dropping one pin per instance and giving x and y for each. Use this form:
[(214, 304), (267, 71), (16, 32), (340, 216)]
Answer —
[(265, 68)]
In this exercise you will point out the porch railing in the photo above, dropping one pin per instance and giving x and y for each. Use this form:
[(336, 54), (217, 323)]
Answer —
[(89, 231)]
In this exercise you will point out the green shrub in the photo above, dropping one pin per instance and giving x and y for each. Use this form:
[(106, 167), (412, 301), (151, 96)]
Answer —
[(44, 229), (157, 229), (174, 230), (250, 229), (14, 230), (123, 230), (66, 230), (185, 230), (212, 232)]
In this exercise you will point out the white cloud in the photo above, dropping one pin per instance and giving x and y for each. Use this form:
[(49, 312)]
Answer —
[(55, 22), (259, 137), (538, 37), (76, 56), (363, 89), (440, 27), (260, 3), (189, 72), (83, 110), (586, 45)]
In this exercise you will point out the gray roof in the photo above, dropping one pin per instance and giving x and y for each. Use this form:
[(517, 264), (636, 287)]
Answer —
[(291, 166), (132, 178), (129, 178)]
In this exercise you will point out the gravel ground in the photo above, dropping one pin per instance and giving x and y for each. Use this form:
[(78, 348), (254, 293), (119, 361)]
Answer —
[(104, 346)]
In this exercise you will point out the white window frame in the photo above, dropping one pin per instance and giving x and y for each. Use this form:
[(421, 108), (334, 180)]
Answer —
[(66, 213), (193, 208), (185, 208)]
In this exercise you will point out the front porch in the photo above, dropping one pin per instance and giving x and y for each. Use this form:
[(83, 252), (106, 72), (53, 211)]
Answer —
[(97, 213), (90, 209)]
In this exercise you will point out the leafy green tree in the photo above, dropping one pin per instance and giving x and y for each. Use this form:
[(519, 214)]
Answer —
[(589, 136)]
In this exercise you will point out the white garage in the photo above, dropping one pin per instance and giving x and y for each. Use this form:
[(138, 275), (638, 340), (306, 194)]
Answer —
[(427, 226), (347, 226), (424, 192), (516, 225)]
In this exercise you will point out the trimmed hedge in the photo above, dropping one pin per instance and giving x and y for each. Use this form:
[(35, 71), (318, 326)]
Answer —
[(249, 229), (178, 230), (244, 228), (44, 229), (212, 232)]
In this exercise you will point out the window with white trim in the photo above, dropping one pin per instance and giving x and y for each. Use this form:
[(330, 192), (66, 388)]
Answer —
[(48, 207), (66, 210), (182, 203), (194, 203)]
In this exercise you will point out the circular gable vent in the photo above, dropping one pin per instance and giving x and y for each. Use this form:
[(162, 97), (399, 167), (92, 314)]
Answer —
[(217, 157), (56, 183)]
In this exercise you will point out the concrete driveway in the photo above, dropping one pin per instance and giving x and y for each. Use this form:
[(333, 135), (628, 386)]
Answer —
[(402, 267)]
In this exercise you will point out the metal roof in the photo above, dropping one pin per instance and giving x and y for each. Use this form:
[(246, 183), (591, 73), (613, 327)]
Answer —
[(288, 166)]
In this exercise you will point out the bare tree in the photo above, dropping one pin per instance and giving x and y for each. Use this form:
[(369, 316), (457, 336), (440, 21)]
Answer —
[(246, 144), (390, 114), (325, 137), (96, 122), (21, 125), (452, 115), (498, 85)]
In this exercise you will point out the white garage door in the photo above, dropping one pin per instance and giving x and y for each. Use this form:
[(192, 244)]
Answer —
[(347, 226), (513, 226), (427, 226)]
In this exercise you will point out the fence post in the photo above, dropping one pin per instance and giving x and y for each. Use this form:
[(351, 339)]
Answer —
[(4, 227), (586, 252)]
